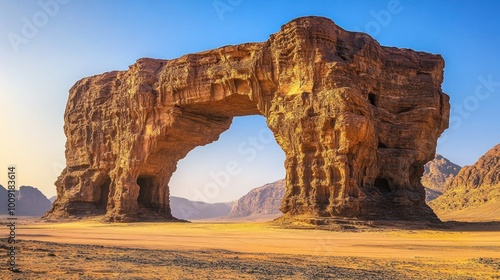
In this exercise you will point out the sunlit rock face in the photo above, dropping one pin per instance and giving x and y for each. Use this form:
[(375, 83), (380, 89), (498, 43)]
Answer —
[(357, 122)]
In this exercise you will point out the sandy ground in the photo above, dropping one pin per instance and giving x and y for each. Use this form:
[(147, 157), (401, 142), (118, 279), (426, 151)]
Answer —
[(488, 212), (93, 250)]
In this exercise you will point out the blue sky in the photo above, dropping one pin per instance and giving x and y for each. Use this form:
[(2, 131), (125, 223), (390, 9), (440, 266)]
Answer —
[(71, 39)]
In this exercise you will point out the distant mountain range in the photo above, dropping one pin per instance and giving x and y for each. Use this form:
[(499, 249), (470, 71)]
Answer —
[(196, 210), (261, 203), (474, 193), (30, 202)]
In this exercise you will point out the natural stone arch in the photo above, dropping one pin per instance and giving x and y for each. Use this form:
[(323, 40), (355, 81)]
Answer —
[(356, 121)]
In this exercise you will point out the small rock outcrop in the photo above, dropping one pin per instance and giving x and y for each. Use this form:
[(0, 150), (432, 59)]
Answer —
[(264, 201), (475, 186), (357, 122)]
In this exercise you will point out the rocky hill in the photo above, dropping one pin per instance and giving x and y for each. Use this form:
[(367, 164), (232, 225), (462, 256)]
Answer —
[(262, 201), (474, 193), (30, 202), (437, 173)]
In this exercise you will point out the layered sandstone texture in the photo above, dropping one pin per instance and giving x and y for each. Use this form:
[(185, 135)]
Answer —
[(357, 122)]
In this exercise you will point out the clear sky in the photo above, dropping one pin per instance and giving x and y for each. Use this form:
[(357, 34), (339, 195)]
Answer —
[(47, 45)]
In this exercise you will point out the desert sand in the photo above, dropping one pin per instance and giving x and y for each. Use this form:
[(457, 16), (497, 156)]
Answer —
[(208, 250)]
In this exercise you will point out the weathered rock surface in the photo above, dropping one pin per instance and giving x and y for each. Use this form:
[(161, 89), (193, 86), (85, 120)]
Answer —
[(357, 122), (475, 186), (265, 200), (186, 209), (438, 173), (30, 202)]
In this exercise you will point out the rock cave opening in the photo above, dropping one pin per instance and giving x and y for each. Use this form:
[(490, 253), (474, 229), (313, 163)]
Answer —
[(373, 99), (382, 185), (104, 194), (146, 192)]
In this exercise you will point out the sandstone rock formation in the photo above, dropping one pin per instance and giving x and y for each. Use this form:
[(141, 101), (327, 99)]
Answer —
[(474, 187), (186, 209), (357, 122), (262, 201)]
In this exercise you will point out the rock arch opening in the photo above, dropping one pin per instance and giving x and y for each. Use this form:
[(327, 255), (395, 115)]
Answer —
[(245, 156)]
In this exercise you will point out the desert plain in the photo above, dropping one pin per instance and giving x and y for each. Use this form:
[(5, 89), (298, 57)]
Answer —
[(89, 249)]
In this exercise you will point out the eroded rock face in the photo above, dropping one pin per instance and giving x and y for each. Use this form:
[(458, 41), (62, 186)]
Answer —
[(357, 122)]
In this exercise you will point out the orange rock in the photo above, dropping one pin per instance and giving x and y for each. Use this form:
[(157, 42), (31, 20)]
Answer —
[(357, 122)]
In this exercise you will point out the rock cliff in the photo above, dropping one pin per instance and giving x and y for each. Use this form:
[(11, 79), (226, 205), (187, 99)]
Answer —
[(475, 186), (357, 122)]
